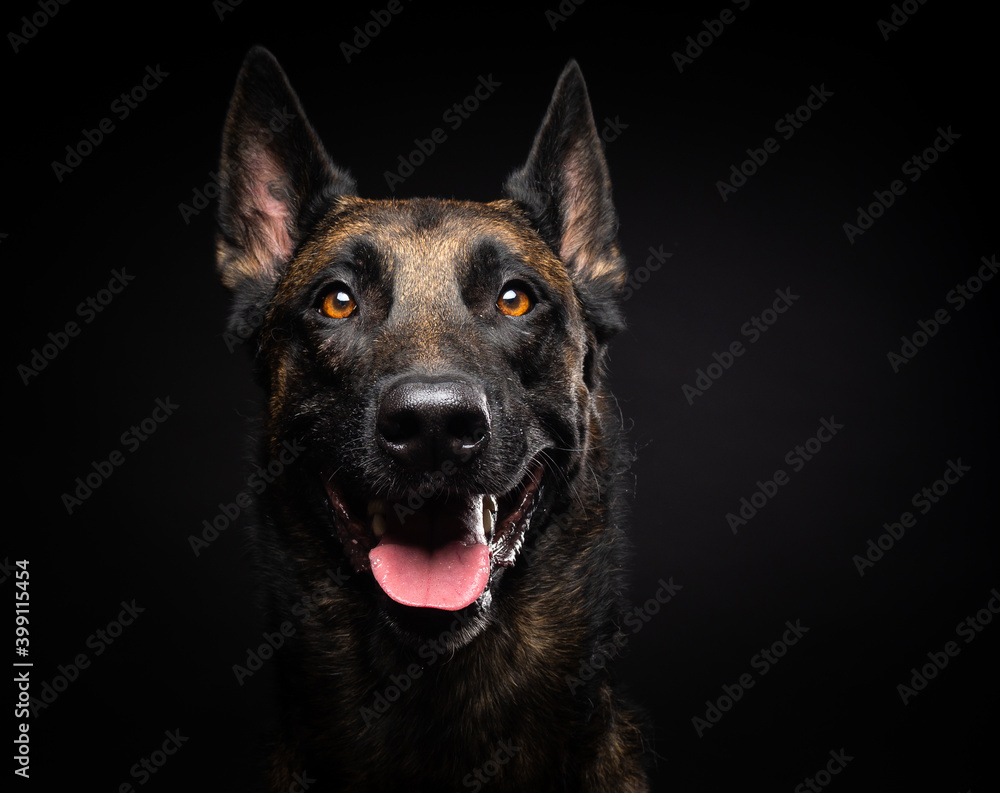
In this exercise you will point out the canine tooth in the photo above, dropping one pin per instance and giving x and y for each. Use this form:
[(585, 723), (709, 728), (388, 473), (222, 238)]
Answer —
[(378, 524), (376, 507), (489, 514)]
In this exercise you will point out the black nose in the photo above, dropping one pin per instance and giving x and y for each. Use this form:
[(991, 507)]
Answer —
[(423, 422)]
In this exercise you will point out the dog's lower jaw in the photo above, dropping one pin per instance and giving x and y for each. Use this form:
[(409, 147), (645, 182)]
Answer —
[(414, 709)]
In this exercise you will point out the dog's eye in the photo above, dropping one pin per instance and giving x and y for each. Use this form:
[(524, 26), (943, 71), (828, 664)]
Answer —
[(514, 301), (338, 303)]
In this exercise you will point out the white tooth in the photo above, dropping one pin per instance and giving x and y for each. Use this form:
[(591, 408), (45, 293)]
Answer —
[(378, 524), (376, 507), (489, 514)]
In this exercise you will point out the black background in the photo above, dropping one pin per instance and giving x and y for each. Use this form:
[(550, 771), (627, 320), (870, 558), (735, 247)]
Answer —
[(679, 134)]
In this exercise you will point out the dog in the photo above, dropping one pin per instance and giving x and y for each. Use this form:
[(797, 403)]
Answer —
[(444, 549)]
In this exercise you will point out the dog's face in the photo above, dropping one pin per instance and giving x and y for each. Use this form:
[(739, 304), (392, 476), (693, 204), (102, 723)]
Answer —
[(438, 360)]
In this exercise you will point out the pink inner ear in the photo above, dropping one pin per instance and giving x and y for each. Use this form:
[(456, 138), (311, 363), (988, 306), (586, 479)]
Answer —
[(579, 223), (266, 178), (574, 199), (580, 247)]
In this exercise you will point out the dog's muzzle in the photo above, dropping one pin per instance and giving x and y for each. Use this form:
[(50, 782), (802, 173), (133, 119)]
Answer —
[(434, 547)]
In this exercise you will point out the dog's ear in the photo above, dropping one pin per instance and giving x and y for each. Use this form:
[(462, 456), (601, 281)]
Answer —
[(565, 187), (276, 180)]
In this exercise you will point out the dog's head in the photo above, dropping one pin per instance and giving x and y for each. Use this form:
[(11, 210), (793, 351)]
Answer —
[(439, 361)]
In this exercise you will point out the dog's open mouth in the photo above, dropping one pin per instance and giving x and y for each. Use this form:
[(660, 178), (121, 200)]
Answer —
[(435, 551)]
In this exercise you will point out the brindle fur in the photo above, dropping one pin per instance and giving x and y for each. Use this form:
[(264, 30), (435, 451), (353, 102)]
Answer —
[(427, 274)]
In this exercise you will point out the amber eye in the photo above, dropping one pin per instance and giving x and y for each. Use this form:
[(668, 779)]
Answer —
[(514, 301), (338, 303)]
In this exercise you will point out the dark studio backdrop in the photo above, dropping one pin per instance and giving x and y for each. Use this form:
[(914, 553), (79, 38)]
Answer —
[(823, 513)]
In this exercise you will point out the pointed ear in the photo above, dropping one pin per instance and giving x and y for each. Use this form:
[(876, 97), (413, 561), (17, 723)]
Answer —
[(276, 179), (565, 188)]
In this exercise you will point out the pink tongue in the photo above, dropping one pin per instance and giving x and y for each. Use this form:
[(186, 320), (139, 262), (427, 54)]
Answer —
[(448, 578), (438, 559)]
